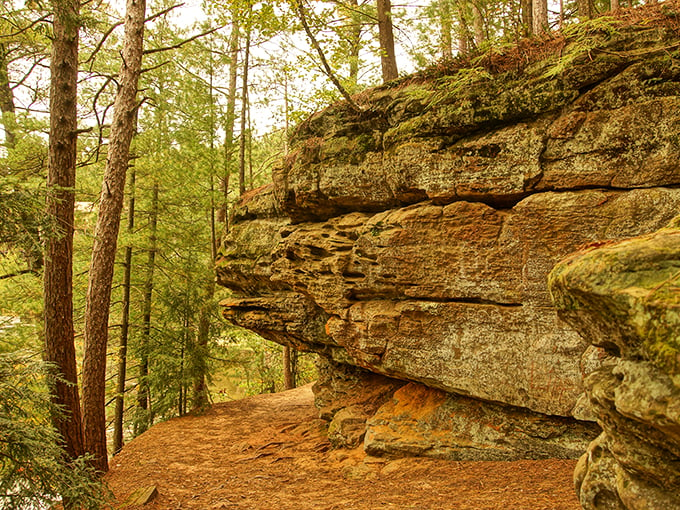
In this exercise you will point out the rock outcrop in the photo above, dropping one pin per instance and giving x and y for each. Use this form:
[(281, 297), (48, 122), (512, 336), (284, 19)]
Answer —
[(414, 238), (624, 298)]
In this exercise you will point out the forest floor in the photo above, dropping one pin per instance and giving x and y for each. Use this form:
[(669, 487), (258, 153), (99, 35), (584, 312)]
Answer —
[(270, 452)]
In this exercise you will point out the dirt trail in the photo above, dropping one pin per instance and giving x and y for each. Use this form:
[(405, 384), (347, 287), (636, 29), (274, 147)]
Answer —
[(270, 452)]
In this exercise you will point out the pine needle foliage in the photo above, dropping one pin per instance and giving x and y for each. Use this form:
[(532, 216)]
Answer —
[(34, 470)]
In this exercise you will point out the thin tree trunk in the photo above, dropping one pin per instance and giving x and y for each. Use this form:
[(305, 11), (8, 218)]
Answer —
[(614, 5), (478, 23), (61, 180), (302, 16), (143, 389), (125, 325), (527, 15), (106, 237), (388, 57), (286, 111), (354, 45), (244, 111), (447, 30), (7, 101), (199, 396), (223, 211), (289, 367), (540, 16), (250, 148)]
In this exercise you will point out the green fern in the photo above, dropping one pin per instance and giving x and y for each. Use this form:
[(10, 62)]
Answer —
[(581, 39)]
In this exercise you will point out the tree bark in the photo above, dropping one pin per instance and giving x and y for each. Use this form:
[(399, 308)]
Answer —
[(527, 15), (61, 180), (354, 45), (463, 28), (540, 16), (388, 57), (289, 367), (125, 326), (478, 23), (7, 100), (584, 9), (106, 237), (614, 5)]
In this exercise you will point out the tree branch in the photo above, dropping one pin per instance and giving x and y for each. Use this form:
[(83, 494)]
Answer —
[(162, 13), (17, 273), (327, 68), (182, 43)]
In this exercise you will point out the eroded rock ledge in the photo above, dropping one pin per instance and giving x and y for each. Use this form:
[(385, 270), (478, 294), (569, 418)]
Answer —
[(414, 240), (625, 298)]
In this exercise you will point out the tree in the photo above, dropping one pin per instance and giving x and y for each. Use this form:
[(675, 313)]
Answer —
[(34, 467), (6, 100), (388, 57), (58, 277), (106, 237), (244, 109), (539, 16), (302, 16), (125, 325)]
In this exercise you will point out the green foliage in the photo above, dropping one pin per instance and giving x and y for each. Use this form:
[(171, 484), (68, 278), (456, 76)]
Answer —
[(34, 469), (582, 38), (451, 88), (255, 364)]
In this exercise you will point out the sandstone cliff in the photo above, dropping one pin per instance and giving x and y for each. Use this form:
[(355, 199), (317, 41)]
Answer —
[(413, 239), (625, 298)]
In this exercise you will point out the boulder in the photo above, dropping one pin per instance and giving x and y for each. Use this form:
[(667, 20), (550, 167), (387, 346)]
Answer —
[(624, 298), (426, 422)]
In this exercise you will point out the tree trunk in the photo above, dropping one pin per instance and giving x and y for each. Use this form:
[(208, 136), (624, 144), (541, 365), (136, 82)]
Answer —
[(584, 9), (106, 237), (527, 16), (302, 16), (199, 396), (388, 57), (540, 16), (223, 211), (143, 391), (125, 326), (244, 111), (447, 30), (478, 23), (6, 101), (614, 5), (354, 45), (289, 367), (61, 180), (464, 36)]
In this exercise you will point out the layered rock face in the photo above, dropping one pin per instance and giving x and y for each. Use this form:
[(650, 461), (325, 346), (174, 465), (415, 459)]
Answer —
[(413, 239), (625, 298)]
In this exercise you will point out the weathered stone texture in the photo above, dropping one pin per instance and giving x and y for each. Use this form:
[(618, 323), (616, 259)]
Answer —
[(624, 297), (424, 421), (413, 239)]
